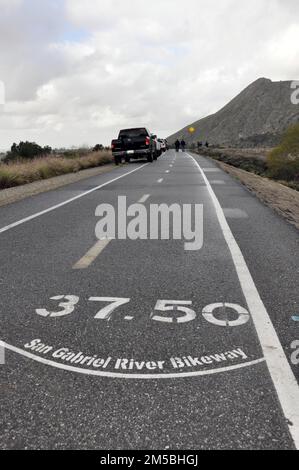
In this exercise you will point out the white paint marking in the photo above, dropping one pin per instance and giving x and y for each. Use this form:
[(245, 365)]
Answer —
[(235, 213), (209, 170), (243, 314), (106, 312), (92, 254), (116, 375), (175, 306), (281, 373), (68, 201), (68, 305), (160, 180), (167, 171), (2, 355), (171, 166), (217, 182), (144, 198)]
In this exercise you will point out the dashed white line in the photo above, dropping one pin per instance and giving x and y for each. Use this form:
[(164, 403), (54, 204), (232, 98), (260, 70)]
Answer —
[(68, 201), (160, 180), (97, 249), (92, 254), (281, 373), (144, 198), (167, 171)]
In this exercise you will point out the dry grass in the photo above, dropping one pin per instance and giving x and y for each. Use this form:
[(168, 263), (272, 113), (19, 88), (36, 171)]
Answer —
[(251, 160), (254, 160), (258, 152), (20, 173)]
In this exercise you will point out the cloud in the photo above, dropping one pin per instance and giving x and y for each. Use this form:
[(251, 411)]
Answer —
[(27, 28), (75, 71)]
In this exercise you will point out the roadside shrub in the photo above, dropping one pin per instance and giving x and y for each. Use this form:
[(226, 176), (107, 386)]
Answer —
[(26, 151), (253, 164), (76, 153), (283, 161), (23, 172), (98, 148)]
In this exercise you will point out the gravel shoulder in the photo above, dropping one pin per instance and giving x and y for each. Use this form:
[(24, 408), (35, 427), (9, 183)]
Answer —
[(284, 200), (11, 195)]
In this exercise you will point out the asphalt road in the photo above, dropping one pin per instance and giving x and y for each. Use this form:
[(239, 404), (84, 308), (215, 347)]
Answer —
[(193, 376)]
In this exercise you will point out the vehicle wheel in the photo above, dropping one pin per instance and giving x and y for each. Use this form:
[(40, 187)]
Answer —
[(117, 160), (150, 157), (128, 159)]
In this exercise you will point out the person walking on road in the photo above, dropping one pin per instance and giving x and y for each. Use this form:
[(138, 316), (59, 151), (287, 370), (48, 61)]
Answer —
[(177, 145), (183, 145)]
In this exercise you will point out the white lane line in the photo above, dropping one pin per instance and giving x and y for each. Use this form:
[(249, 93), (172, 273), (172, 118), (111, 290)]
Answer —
[(160, 180), (144, 198), (281, 373), (171, 166), (117, 375), (68, 201), (92, 254), (167, 171)]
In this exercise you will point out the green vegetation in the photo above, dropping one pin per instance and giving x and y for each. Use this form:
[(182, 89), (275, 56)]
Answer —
[(283, 161), (16, 173), (98, 148), (27, 150)]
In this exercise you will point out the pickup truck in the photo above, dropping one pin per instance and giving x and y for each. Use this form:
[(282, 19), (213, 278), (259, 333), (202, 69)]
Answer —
[(133, 144)]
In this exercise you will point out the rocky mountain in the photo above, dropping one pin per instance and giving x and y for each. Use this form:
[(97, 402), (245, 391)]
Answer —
[(257, 116)]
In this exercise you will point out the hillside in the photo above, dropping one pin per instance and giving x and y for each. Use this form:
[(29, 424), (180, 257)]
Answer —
[(257, 116)]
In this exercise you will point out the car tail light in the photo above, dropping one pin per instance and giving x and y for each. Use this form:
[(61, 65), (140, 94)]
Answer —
[(112, 146), (147, 141)]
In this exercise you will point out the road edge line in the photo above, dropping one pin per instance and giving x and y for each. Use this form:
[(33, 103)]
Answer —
[(279, 368), (68, 201)]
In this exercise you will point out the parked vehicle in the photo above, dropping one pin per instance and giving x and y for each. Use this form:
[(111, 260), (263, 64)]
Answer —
[(163, 145), (134, 144), (158, 146)]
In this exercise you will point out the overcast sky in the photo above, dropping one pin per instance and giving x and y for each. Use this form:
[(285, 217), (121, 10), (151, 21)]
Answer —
[(76, 71)]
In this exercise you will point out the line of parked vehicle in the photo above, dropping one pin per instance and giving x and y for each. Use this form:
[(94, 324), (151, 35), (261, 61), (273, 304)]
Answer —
[(137, 143)]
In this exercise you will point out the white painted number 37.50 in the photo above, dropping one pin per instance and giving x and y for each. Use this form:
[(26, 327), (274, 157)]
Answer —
[(179, 310)]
